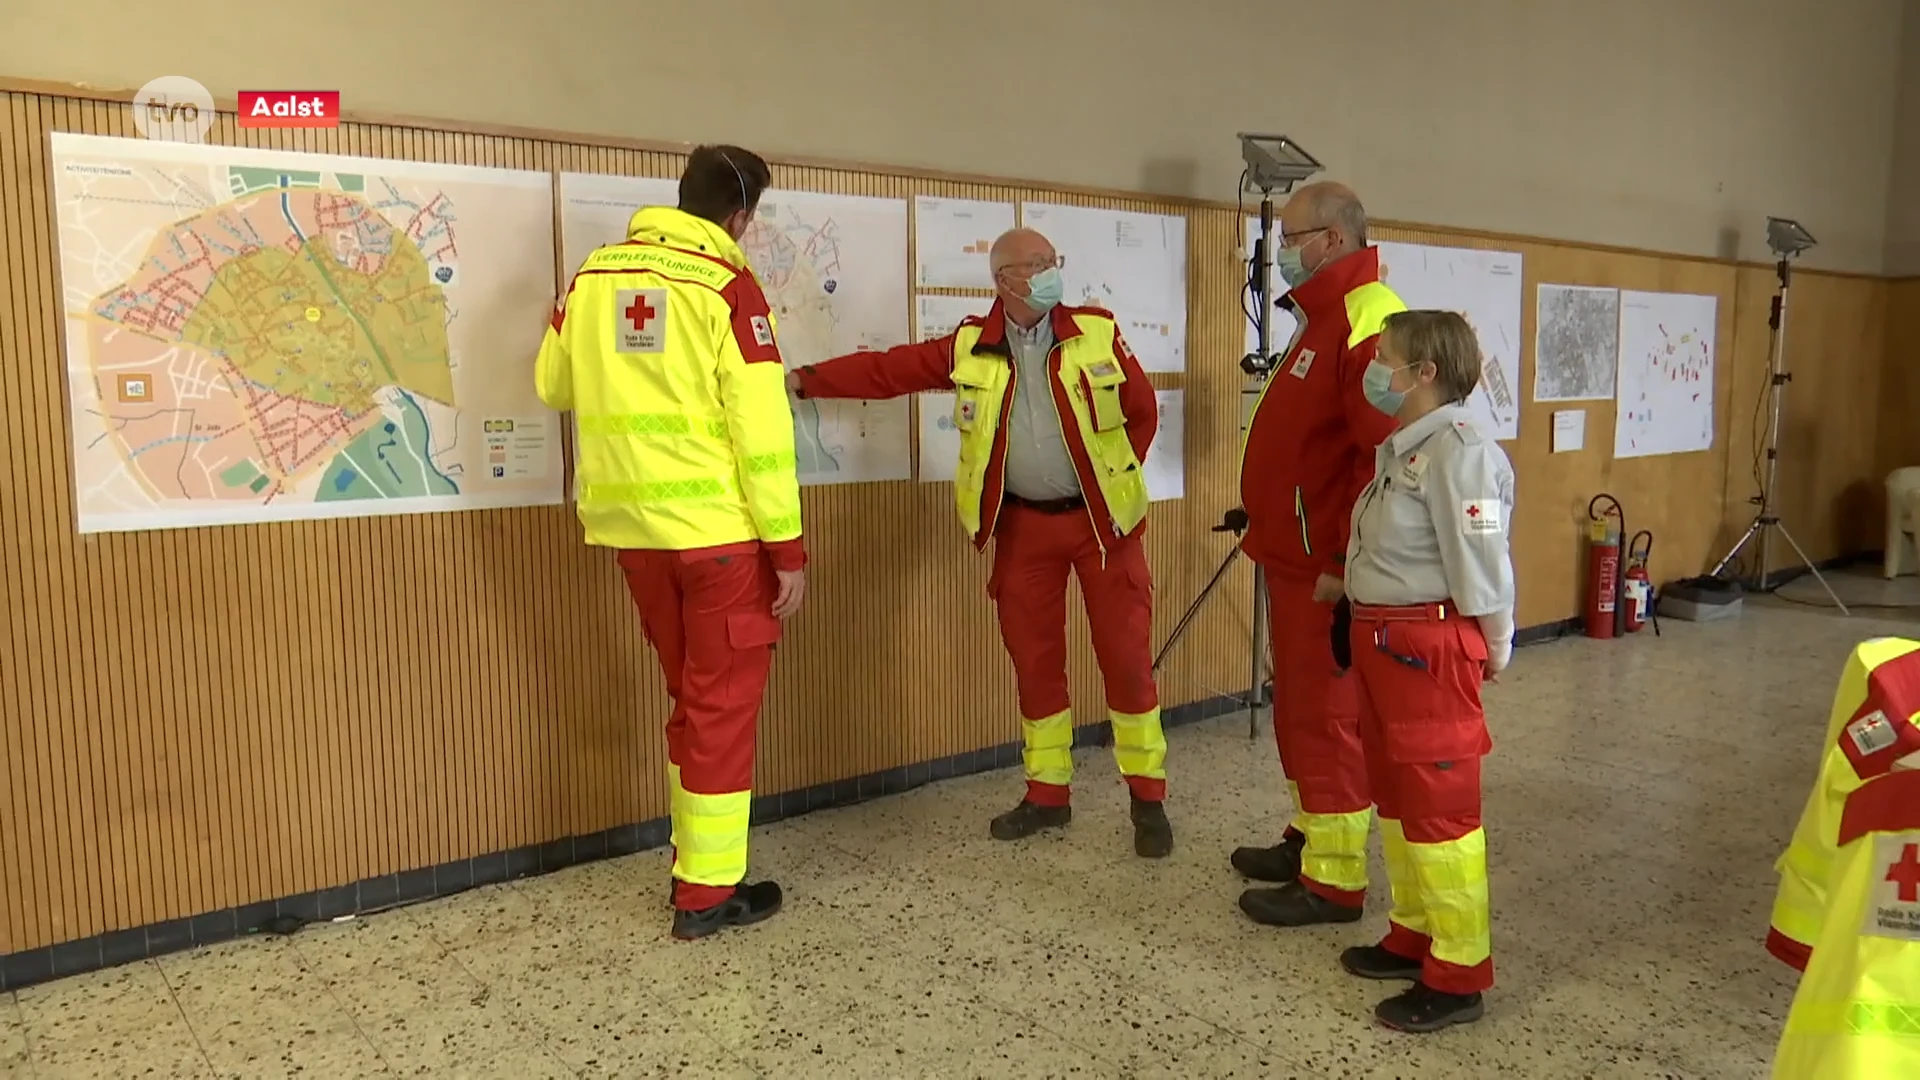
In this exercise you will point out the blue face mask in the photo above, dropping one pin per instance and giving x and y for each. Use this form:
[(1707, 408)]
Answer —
[(1044, 289), (1292, 266), (1377, 384)]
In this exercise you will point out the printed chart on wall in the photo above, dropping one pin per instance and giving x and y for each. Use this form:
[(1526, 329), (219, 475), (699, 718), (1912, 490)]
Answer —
[(1666, 374), (952, 238), (939, 439), (1132, 264), (595, 210), (1576, 343), (1166, 464), (1484, 286), (835, 273), (261, 335)]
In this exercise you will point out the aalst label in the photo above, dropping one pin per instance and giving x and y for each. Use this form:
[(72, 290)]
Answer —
[(289, 108)]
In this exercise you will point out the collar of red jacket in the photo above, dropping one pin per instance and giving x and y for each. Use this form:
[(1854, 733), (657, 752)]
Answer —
[(993, 335), (1328, 289)]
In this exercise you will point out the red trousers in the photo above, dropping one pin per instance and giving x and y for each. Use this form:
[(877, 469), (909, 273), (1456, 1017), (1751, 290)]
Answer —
[(1420, 670), (1316, 722), (1033, 554), (709, 616)]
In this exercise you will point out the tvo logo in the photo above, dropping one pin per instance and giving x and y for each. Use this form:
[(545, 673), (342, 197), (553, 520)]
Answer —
[(173, 108)]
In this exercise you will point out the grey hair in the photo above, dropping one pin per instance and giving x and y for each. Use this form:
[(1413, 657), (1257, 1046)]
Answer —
[(1340, 208)]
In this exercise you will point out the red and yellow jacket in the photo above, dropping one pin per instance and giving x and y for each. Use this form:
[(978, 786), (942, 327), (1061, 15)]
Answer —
[(663, 349), (1872, 728), (1311, 440), (1106, 406)]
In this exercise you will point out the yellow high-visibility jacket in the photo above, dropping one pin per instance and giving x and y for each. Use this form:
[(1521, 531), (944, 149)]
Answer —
[(664, 351), (1856, 1013), (1870, 728)]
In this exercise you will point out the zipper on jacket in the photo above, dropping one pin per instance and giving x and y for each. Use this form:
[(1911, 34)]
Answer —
[(1053, 372), (1300, 511), (1000, 433)]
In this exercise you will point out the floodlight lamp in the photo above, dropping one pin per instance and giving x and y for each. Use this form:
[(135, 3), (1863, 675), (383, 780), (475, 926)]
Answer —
[(1788, 238), (1274, 163)]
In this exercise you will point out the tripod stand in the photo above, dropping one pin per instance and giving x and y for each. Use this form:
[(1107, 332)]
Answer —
[(1236, 523), (1258, 366), (1786, 243)]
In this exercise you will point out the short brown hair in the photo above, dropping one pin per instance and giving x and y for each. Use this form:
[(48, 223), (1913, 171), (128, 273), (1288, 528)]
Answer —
[(1444, 339), (719, 181)]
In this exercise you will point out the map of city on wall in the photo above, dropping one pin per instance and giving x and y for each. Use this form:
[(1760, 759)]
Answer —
[(258, 335)]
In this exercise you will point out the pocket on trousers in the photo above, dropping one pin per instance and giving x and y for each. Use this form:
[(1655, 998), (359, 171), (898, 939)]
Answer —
[(752, 630), (1434, 741), (1473, 641)]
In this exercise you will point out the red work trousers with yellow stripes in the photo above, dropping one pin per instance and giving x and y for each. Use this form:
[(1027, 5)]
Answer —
[(1316, 722), (709, 616), (1424, 731), (1034, 552)]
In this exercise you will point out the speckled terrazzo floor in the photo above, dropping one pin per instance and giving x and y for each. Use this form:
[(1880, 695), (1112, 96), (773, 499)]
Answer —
[(1637, 797)]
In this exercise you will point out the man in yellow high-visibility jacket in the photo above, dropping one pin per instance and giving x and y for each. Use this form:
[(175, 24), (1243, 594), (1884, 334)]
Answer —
[(1055, 416), (664, 351), (1856, 1013)]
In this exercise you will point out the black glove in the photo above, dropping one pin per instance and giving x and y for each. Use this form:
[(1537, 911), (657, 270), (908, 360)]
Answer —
[(1343, 633), (1234, 521)]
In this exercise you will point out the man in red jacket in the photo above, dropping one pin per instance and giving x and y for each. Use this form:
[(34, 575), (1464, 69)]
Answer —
[(1055, 416), (1309, 454)]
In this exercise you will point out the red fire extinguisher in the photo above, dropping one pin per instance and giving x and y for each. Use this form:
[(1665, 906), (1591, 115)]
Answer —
[(1638, 586), (1603, 566)]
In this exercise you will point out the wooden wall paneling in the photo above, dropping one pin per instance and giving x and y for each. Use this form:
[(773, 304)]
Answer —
[(201, 718), (1827, 491), (77, 748), (1898, 410), (30, 798)]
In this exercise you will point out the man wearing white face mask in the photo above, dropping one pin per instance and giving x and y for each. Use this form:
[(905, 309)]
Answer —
[(1055, 416), (1309, 452)]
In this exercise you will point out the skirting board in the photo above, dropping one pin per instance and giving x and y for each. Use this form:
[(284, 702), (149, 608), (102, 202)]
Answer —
[(365, 897)]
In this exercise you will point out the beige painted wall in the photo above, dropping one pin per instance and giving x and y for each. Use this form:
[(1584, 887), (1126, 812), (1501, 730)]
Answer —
[(1903, 192), (1675, 125)]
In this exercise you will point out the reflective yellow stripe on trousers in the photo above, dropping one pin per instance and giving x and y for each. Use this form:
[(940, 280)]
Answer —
[(1139, 744), (710, 837), (1048, 753), (1452, 878), (1336, 851)]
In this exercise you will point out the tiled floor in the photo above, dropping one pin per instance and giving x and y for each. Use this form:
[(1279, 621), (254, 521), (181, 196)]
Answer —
[(1638, 795)]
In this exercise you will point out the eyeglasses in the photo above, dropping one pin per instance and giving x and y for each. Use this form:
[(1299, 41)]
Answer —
[(1034, 266), (1297, 239)]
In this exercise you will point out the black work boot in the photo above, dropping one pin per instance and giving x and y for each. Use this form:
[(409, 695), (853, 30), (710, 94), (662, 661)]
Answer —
[(1376, 962), (749, 904), (1294, 905), (1152, 832), (1028, 818), (1423, 1009), (1278, 864)]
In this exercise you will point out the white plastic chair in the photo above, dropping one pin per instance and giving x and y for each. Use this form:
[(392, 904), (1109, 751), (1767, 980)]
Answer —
[(1903, 522)]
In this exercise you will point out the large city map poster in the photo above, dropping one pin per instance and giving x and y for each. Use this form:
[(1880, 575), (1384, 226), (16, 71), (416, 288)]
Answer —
[(259, 335)]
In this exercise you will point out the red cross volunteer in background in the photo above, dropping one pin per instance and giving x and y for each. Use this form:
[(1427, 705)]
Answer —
[(664, 351), (1430, 580), (1055, 416)]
